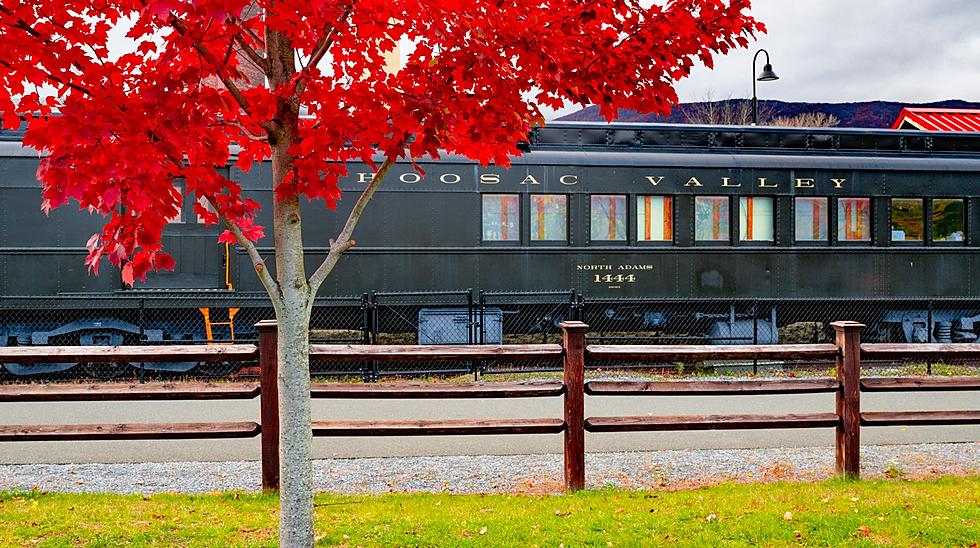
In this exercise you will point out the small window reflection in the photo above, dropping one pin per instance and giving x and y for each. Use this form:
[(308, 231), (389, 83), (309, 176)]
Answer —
[(948, 220), (549, 217), (501, 217), (854, 219), (711, 219), (608, 218), (811, 219), (908, 221)]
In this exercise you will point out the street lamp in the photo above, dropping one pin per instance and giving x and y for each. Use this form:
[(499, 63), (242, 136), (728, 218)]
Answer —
[(767, 75)]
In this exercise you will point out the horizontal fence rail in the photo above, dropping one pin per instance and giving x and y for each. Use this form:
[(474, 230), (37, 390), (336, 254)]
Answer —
[(919, 384), (132, 431), (410, 352), (711, 388), (691, 353), (847, 418), (647, 423), (447, 427), (127, 392), (405, 390), (198, 352)]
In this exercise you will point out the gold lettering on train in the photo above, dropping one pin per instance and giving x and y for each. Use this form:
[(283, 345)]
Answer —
[(365, 177), (568, 179)]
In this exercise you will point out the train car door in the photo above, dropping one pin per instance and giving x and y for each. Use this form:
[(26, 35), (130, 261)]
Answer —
[(202, 262)]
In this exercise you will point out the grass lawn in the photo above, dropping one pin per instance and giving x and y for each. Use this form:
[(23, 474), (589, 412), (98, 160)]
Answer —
[(944, 512)]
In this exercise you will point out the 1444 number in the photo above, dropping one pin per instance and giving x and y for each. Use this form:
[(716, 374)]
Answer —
[(618, 278)]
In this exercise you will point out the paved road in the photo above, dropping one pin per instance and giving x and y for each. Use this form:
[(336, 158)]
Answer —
[(224, 450)]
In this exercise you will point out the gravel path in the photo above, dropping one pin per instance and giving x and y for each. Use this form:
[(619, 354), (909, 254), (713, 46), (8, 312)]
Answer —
[(511, 474)]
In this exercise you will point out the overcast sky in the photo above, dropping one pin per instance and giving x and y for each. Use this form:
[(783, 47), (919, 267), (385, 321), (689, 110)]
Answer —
[(854, 50)]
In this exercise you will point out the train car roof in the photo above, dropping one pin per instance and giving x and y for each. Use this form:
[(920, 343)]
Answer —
[(722, 147)]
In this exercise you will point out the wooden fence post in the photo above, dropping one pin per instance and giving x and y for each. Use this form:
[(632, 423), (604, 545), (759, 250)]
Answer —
[(574, 343), (269, 397), (848, 438)]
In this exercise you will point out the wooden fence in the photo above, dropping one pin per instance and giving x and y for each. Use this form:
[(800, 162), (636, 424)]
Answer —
[(847, 418)]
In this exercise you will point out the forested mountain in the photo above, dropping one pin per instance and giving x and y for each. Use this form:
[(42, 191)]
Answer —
[(867, 114)]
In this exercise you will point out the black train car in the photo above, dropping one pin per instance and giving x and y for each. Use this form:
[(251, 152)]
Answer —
[(621, 211)]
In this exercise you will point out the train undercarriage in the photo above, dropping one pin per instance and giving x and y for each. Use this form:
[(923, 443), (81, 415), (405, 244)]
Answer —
[(462, 318)]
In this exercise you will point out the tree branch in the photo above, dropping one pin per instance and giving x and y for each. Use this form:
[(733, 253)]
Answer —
[(230, 85), (253, 55), (271, 286), (323, 46), (54, 79), (343, 242)]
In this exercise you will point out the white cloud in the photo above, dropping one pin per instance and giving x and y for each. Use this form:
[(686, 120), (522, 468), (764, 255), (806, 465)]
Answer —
[(853, 50)]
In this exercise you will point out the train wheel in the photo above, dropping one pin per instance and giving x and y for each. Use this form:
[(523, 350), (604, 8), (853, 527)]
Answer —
[(103, 371)]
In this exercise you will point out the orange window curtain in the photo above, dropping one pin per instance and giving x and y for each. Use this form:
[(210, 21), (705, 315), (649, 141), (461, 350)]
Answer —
[(647, 210), (748, 218), (504, 219), (715, 219), (542, 203), (862, 210), (612, 218), (816, 219), (848, 220), (668, 217)]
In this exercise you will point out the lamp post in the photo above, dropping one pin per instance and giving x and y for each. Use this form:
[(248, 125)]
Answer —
[(767, 75)]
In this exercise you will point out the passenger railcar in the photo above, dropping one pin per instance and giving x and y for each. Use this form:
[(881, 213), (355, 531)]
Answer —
[(620, 211)]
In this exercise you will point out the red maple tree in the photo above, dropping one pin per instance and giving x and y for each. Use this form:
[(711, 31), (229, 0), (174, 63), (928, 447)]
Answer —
[(118, 125)]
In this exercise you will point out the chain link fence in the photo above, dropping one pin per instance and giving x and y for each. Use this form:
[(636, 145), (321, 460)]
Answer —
[(463, 317)]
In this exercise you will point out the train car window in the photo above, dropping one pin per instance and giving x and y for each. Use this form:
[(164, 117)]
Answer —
[(755, 219), (811, 219), (711, 214), (179, 217), (608, 213), (549, 217), (948, 220), (654, 219), (207, 207), (501, 217), (908, 220), (854, 220)]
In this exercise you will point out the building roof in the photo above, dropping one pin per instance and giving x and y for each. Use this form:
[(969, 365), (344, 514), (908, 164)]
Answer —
[(948, 119)]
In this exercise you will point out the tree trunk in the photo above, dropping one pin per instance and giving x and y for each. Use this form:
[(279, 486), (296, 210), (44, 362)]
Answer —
[(295, 426), (296, 439), (295, 304)]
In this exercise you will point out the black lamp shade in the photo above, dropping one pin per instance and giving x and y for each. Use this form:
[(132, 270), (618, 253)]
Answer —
[(767, 75)]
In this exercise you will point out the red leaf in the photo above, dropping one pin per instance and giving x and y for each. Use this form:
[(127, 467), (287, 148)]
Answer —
[(129, 128), (127, 274), (163, 261), (227, 237)]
